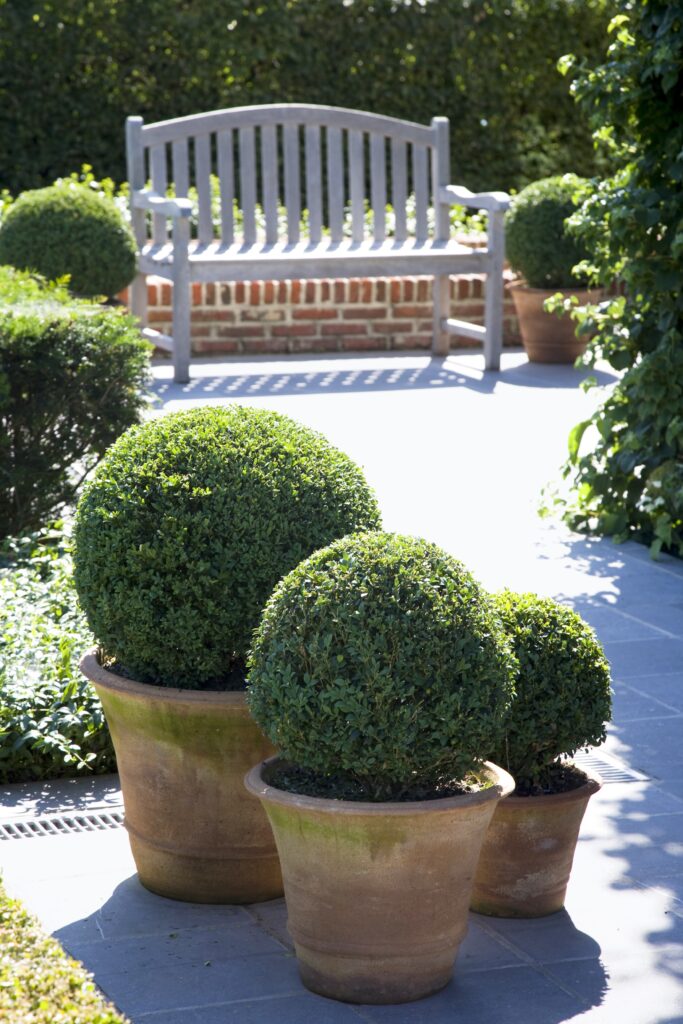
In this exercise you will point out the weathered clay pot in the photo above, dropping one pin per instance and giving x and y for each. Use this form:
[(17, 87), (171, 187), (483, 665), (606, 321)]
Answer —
[(528, 853), (377, 893), (548, 337), (195, 833)]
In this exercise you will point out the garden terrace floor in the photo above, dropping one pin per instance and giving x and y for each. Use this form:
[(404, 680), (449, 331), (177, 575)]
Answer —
[(459, 457)]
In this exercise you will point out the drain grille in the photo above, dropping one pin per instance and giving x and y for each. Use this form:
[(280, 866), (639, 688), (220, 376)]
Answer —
[(61, 825), (608, 768)]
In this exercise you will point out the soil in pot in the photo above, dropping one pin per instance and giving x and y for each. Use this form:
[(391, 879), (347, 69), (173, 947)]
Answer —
[(195, 833), (527, 855), (378, 893)]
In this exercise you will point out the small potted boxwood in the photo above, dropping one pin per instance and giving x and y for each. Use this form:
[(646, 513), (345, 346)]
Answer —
[(562, 702), (543, 253), (186, 527), (381, 673)]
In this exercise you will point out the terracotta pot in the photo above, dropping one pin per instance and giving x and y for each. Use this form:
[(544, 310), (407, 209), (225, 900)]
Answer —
[(549, 337), (528, 852), (377, 893), (195, 833)]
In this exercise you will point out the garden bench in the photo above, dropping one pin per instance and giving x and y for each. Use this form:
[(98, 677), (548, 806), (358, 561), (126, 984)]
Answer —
[(310, 158)]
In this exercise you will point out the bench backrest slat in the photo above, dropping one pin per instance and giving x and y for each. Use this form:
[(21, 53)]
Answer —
[(226, 175), (315, 158)]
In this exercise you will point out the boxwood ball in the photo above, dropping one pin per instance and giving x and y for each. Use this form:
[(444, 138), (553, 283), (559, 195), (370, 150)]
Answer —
[(381, 658), (190, 521)]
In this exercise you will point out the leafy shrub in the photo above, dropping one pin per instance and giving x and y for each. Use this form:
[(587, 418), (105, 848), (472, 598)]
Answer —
[(39, 982), (562, 698), (380, 659), (489, 65), (630, 482), (51, 721), (71, 230), (71, 381), (190, 522), (538, 245), (22, 288)]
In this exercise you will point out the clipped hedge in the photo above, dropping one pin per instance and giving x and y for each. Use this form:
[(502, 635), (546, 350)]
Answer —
[(51, 720), (380, 660), (39, 982), (563, 698), (489, 65), (71, 380), (70, 230), (538, 243), (189, 523)]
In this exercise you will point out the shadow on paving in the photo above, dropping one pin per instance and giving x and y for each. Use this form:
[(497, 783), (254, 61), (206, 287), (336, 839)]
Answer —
[(437, 374)]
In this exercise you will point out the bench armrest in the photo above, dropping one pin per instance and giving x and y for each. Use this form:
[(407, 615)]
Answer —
[(148, 200), (493, 202)]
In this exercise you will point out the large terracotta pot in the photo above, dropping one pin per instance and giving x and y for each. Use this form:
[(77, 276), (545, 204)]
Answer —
[(195, 833), (528, 853), (549, 337), (377, 893)]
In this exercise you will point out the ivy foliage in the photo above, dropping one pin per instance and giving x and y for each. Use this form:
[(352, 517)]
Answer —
[(630, 484), (72, 379), (489, 65), (51, 720), (562, 691), (380, 660), (188, 524), (538, 244)]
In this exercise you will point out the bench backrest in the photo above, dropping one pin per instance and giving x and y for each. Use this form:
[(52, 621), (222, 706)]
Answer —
[(321, 159)]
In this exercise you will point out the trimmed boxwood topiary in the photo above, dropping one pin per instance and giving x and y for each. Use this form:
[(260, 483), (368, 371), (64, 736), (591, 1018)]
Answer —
[(189, 523), (563, 696), (69, 229), (537, 242), (379, 661)]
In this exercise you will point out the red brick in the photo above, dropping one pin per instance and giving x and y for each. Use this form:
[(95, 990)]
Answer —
[(396, 289), (365, 313), (314, 345), (340, 291), (269, 292), (295, 292), (477, 287), (470, 311), (210, 316), (269, 345), (412, 341), (241, 332), (255, 293), (226, 294), (294, 331), (408, 289), (316, 314), (216, 346), (412, 310), (381, 291), (152, 294), (392, 327), (354, 289), (161, 316), (362, 344), (310, 291), (325, 291), (282, 291), (166, 295), (240, 291), (424, 289), (210, 290), (366, 290), (343, 329), (123, 296), (464, 289)]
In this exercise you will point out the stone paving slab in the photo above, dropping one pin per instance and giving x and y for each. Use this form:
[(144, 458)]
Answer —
[(458, 457)]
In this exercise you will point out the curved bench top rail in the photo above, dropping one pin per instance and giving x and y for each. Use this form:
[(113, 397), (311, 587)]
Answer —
[(282, 114)]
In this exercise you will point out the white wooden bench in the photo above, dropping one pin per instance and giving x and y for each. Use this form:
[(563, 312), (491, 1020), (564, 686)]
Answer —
[(321, 159)]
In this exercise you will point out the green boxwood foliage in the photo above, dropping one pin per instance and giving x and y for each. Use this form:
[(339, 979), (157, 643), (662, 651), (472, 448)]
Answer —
[(489, 65), (71, 380), (51, 720), (190, 522), (39, 982), (380, 659), (563, 696), (69, 229), (629, 481), (538, 244)]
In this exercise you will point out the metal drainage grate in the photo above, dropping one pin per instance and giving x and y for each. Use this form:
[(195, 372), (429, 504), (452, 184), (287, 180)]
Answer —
[(608, 768), (62, 825)]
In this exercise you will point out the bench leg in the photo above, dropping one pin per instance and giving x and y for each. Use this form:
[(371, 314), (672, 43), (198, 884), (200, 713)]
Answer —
[(181, 302), (493, 301), (441, 291), (138, 298)]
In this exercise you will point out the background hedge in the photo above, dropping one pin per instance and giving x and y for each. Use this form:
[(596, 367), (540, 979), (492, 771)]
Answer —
[(71, 71)]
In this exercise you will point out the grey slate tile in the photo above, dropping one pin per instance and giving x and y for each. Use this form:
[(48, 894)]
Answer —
[(295, 1009), (645, 657)]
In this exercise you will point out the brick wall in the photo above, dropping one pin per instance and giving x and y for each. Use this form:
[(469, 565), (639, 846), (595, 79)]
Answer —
[(360, 314)]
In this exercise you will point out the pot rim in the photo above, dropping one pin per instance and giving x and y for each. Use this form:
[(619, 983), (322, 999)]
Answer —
[(591, 785), (98, 675), (520, 284), (254, 782)]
